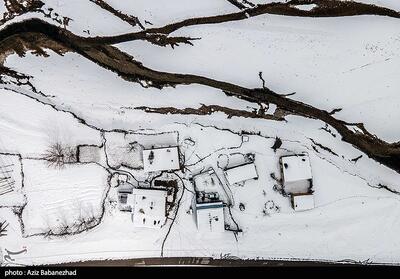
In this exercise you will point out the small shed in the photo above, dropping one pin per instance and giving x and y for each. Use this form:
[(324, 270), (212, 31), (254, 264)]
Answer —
[(301, 202), (210, 217), (148, 207), (241, 173), (161, 159)]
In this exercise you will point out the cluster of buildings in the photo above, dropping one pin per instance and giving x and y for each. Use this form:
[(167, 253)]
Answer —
[(209, 206), (148, 206)]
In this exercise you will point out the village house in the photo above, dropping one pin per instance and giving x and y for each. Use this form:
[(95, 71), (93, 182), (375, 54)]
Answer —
[(161, 159), (209, 202), (148, 207), (241, 173), (297, 180), (210, 217)]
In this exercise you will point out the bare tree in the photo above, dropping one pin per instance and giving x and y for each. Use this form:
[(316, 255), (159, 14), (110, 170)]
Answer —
[(58, 154), (63, 228), (134, 147), (87, 219), (48, 233)]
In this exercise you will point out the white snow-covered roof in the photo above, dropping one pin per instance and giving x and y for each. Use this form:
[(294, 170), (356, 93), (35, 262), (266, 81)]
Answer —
[(210, 217), (296, 167), (303, 202), (241, 173), (160, 159), (148, 207)]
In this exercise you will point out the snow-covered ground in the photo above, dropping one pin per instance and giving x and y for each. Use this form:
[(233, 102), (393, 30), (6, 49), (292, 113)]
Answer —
[(391, 4), (32, 127), (88, 19), (57, 197), (350, 63), (162, 12), (2, 9), (349, 221)]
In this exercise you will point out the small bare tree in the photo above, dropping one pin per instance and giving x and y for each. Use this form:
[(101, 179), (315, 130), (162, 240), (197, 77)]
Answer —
[(57, 155), (48, 233), (134, 147), (86, 220)]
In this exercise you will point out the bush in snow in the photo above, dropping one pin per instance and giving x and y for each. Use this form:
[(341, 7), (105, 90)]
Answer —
[(270, 207), (84, 222)]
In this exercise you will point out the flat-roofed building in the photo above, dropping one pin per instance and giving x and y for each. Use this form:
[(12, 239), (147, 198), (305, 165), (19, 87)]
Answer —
[(302, 202), (148, 207), (297, 180), (241, 173), (210, 217), (296, 173), (161, 159)]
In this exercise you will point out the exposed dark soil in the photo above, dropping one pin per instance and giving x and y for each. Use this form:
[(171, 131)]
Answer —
[(36, 34), (208, 110)]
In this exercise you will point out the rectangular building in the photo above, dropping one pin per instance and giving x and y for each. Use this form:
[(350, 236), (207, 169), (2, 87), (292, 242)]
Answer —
[(210, 217), (297, 180), (148, 207), (241, 173), (161, 159), (296, 173), (302, 202)]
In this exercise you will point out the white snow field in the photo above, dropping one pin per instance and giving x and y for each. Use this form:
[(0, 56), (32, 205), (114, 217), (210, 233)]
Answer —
[(56, 197), (162, 12), (391, 4), (29, 128), (350, 62), (88, 19), (349, 221)]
